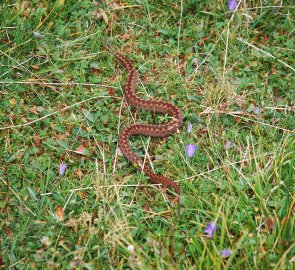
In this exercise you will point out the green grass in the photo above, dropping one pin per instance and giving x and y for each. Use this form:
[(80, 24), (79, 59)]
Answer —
[(63, 92)]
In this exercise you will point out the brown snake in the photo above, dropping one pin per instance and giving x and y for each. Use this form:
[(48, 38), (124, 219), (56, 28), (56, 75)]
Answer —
[(146, 129)]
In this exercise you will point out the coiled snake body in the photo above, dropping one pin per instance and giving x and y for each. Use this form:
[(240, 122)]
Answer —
[(146, 129)]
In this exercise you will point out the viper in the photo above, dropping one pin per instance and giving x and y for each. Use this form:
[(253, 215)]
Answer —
[(161, 131)]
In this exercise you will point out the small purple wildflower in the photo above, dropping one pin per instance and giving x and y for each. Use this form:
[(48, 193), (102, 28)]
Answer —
[(190, 149), (226, 253), (228, 144), (189, 128), (231, 4), (37, 35), (256, 110), (62, 168), (211, 228)]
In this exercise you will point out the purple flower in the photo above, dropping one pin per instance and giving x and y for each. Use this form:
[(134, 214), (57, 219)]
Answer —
[(256, 110), (211, 228), (231, 4), (226, 253), (37, 35), (62, 168), (189, 128), (190, 149), (228, 144)]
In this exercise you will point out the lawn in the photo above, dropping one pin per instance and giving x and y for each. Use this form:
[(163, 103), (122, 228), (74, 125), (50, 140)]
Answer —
[(69, 199)]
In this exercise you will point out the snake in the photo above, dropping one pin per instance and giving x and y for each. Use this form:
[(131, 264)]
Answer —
[(161, 131)]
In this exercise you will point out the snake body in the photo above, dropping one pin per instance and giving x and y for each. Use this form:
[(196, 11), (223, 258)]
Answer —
[(163, 130)]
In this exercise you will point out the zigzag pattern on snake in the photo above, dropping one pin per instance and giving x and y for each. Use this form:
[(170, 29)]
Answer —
[(163, 130)]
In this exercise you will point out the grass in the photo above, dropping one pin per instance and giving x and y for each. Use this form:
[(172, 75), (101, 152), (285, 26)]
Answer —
[(231, 74)]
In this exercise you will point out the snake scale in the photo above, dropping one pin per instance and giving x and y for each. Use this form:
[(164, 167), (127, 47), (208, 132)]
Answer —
[(163, 130)]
